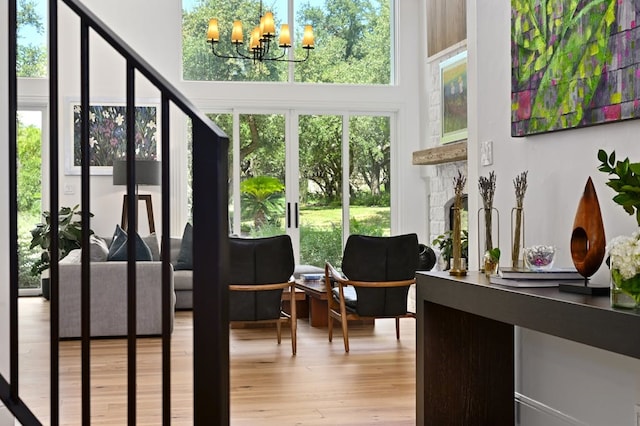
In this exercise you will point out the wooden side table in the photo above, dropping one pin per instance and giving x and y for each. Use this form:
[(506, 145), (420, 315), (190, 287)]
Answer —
[(317, 302)]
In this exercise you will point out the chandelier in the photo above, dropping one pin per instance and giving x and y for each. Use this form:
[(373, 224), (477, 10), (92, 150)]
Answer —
[(262, 40)]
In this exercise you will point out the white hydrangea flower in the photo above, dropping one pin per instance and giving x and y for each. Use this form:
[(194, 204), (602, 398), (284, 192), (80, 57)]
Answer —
[(625, 255)]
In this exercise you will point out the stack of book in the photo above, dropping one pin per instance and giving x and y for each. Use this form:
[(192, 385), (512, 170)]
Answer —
[(521, 277), (312, 277)]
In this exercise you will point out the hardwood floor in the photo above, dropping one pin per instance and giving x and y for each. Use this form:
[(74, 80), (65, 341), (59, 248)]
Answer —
[(321, 385)]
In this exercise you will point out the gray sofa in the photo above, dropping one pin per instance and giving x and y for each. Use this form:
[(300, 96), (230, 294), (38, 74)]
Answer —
[(182, 279), (109, 298)]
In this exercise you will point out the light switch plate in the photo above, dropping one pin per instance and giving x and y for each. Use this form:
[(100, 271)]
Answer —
[(69, 189), (486, 153)]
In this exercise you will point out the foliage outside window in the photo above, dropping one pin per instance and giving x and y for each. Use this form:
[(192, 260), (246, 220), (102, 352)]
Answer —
[(352, 41), (29, 199), (32, 43)]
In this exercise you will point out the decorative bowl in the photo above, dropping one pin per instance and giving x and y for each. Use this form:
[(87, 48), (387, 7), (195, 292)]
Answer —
[(539, 258)]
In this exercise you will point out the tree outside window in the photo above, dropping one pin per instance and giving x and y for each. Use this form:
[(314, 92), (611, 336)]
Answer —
[(352, 41)]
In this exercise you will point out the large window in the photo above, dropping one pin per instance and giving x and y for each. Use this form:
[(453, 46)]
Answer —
[(32, 40), (353, 40), (29, 196), (316, 177)]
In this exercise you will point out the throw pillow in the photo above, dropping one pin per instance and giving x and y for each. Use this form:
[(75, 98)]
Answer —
[(74, 256), (185, 257), (118, 249), (98, 249), (151, 240), (118, 240)]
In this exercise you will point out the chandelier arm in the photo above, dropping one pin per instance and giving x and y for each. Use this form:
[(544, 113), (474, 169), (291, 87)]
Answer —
[(240, 54), (213, 49), (291, 60)]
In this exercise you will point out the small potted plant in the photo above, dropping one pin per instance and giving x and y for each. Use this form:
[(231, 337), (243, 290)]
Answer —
[(69, 237), (491, 261), (444, 242)]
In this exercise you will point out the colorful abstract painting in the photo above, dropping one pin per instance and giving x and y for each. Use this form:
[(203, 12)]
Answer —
[(574, 64)]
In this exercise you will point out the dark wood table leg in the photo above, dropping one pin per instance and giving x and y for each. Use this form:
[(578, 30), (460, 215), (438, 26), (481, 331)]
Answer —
[(467, 366), (318, 312)]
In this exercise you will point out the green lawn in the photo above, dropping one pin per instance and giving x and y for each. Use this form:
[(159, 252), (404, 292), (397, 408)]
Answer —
[(321, 230), (328, 217)]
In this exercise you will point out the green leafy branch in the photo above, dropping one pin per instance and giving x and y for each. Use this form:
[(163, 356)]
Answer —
[(627, 184)]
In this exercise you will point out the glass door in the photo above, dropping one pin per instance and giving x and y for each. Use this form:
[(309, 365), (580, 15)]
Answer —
[(343, 182), (260, 171), (320, 183), (370, 175), (316, 177)]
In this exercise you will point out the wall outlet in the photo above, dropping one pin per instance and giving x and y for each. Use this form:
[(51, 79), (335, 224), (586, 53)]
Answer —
[(69, 189)]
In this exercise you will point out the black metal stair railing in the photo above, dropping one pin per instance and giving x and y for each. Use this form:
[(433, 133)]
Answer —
[(210, 243)]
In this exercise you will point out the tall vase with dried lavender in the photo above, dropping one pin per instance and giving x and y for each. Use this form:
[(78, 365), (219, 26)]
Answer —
[(487, 187), (458, 186), (517, 217)]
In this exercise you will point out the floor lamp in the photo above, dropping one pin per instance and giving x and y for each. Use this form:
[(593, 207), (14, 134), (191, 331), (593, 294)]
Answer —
[(148, 172)]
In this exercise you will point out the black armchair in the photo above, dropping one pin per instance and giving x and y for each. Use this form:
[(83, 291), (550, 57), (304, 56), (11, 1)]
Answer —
[(261, 268), (379, 271)]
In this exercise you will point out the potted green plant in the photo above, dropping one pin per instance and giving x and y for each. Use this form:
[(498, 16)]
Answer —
[(444, 242), (491, 261), (69, 237)]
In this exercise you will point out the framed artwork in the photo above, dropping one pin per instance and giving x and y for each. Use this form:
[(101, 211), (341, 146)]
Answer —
[(108, 135), (573, 64), (453, 89)]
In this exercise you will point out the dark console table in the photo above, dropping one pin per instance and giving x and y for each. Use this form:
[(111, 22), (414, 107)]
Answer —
[(465, 343)]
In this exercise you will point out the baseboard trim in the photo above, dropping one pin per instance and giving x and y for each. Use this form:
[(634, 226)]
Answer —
[(550, 411)]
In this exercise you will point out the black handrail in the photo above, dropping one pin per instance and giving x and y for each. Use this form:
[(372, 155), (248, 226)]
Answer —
[(210, 243)]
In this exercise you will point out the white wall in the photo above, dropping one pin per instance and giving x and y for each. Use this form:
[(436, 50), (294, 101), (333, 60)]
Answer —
[(593, 386)]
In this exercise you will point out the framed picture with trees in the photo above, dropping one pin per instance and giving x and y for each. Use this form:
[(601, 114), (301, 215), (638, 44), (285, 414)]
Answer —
[(453, 90), (108, 135)]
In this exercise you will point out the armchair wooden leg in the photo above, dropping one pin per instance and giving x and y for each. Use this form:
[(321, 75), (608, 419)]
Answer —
[(330, 326), (397, 328), (344, 322), (279, 330)]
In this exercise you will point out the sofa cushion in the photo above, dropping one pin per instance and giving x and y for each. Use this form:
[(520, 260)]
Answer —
[(98, 249), (151, 240), (350, 297), (183, 280), (185, 258), (118, 248)]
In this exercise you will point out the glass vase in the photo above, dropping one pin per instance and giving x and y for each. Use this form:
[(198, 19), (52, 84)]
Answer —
[(457, 267), (625, 294), (517, 236), (489, 221)]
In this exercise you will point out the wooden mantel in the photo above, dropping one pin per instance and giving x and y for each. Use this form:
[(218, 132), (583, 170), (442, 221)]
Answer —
[(441, 154)]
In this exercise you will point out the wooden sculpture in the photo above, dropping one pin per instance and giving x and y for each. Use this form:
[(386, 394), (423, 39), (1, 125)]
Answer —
[(588, 242)]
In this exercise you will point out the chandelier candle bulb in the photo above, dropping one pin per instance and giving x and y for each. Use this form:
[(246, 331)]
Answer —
[(213, 34), (236, 33), (254, 41), (269, 29), (285, 37), (307, 38)]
